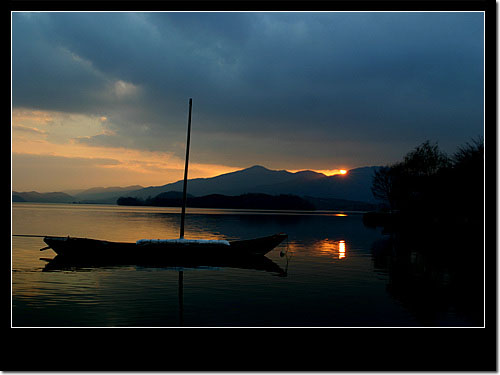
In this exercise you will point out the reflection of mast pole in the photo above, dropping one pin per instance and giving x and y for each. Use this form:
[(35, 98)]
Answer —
[(181, 302)]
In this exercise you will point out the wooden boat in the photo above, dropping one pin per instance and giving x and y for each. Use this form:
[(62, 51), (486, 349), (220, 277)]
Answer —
[(180, 249), (81, 248)]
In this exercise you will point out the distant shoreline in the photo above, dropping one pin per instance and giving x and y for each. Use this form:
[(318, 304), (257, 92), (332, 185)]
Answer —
[(244, 201), (202, 209), (213, 201)]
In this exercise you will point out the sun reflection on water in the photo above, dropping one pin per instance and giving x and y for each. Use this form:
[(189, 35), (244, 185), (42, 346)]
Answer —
[(341, 249), (335, 249)]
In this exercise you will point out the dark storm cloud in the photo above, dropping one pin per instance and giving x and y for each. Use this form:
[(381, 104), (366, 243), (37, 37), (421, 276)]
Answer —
[(44, 72), (393, 77)]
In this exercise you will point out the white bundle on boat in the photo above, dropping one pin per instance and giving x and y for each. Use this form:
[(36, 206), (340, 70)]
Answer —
[(182, 241)]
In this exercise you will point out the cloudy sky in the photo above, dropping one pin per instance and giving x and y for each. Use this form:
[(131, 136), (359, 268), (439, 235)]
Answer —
[(101, 99)]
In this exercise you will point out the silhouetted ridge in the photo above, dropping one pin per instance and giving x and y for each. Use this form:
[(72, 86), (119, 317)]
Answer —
[(354, 186), (33, 196), (244, 201)]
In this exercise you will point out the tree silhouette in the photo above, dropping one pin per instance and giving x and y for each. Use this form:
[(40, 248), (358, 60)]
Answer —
[(401, 183), (425, 160), (469, 158), (385, 185), (430, 186)]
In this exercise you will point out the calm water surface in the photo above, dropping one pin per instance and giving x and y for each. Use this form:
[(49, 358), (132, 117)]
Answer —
[(339, 273)]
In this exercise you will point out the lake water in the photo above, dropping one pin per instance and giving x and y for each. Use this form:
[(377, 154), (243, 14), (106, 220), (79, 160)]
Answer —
[(339, 273)]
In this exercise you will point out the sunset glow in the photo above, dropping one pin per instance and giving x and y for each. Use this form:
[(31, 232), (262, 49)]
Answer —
[(331, 172), (52, 141), (326, 172)]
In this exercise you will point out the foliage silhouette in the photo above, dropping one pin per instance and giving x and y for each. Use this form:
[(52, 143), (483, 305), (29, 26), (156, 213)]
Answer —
[(428, 187)]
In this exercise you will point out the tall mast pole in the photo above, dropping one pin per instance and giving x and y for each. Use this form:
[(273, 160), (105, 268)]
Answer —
[(184, 192)]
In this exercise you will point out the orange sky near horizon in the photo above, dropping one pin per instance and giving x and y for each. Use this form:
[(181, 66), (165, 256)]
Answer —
[(326, 172), (46, 156)]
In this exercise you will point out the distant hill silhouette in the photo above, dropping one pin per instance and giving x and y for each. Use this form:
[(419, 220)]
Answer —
[(342, 192), (167, 199), (244, 201), (93, 195), (104, 195), (355, 185), (33, 196)]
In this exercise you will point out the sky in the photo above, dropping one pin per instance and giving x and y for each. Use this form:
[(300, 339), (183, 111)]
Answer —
[(101, 98)]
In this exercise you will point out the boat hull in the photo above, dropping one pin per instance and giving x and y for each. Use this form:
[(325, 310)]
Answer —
[(92, 249)]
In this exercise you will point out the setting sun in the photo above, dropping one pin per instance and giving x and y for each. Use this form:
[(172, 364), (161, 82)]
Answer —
[(331, 172)]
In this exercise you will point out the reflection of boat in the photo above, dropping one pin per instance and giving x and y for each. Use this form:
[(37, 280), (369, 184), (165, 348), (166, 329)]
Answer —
[(259, 263), (158, 250)]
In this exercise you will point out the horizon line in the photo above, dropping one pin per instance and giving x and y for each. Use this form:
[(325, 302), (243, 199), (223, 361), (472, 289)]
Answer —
[(325, 172)]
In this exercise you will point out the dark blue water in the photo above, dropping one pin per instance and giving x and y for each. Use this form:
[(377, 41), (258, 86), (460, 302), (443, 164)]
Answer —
[(339, 273)]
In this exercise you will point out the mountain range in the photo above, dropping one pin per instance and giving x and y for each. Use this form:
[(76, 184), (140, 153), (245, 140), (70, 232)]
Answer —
[(353, 186), (93, 195)]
